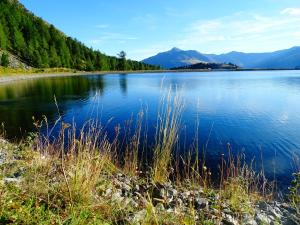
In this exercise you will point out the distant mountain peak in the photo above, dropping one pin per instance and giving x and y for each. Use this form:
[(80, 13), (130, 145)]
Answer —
[(174, 49), (176, 58), (282, 59)]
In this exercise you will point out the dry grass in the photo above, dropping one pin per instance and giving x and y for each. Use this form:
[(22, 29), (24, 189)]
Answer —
[(167, 132), (16, 71), (64, 179)]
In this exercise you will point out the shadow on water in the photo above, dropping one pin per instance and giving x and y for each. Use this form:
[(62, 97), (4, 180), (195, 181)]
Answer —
[(123, 83), (21, 101)]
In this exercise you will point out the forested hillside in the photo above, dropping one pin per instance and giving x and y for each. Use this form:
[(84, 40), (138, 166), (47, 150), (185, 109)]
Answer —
[(208, 66), (41, 45)]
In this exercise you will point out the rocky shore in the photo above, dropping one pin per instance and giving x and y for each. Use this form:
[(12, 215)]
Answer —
[(169, 199), (141, 195)]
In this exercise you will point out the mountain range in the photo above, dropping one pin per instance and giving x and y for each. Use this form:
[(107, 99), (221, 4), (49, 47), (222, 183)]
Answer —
[(282, 59)]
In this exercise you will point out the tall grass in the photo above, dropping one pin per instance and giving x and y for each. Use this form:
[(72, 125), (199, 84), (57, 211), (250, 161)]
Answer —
[(67, 176), (167, 134), (131, 160), (77, 168)]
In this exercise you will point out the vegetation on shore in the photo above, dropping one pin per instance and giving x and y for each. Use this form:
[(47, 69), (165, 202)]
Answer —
[(15, 71), (40, 45), (81, 177), (208, 66)]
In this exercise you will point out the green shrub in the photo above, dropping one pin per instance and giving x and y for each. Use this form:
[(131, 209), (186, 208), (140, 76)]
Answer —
[(4, 60), (294, 189)]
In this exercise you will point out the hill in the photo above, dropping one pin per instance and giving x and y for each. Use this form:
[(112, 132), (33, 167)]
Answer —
[(39, 44), (208, 66), (283, 59), (176, 58)]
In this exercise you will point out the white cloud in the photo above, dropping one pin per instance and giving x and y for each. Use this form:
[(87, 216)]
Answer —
[(291, 11), (241, 32), (102, 26)]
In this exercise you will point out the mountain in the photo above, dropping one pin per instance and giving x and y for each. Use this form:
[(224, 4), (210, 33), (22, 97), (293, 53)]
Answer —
[(176, 58), (283, 59), (38, 44)]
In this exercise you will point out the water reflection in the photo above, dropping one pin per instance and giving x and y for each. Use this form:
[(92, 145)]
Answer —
[(258, 113), (21, 101), (123, 83)]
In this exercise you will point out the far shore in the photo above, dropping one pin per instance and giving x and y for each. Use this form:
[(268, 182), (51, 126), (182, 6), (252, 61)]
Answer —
[(12, 77)]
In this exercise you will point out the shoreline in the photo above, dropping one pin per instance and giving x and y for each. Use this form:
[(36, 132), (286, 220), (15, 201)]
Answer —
[(8, 78), (123, 192)]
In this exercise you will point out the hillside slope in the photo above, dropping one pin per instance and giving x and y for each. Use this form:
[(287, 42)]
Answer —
[(283, 59), (289, 58), (13, 61), (41, 45), (176, 58)]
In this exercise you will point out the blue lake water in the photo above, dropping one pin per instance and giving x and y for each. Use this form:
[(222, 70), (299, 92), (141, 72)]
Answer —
[(257, 112)]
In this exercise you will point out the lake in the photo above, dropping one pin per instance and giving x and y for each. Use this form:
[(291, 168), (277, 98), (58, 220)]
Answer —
[(257, 112)]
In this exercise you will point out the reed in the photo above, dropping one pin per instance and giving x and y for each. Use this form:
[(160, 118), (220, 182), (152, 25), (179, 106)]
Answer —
[(167, 132), (65, 180)]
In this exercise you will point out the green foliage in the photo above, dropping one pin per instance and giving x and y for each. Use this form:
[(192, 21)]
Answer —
[(4, 60), (122, 60), (3, 39), (294, 195), (41, 45)]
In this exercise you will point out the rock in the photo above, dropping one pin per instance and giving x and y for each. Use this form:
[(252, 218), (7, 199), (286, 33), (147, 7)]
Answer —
[(262, 219), (117, 197), (229, 220), (201, 203), (163, 193), (173, 192), (249, 222), (12, 180), (272, 212), (139, 216), (227, 211), (160, 207), (179, 202), (126, 187), (136, 188), (263, 206), (291, 221), (158, 191), (170, 211), (2, 158), (108, 192)]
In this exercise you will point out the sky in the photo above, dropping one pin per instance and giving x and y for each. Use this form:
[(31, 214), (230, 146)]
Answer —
[(143, 28)]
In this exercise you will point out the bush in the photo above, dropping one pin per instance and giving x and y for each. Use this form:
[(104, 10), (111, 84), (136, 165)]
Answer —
[(295, 191), (4, 60)]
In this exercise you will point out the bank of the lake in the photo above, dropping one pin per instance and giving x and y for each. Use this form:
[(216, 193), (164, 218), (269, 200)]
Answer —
[(11, 75), (225, 104), (19, 76), (72, 166), (88, 187)]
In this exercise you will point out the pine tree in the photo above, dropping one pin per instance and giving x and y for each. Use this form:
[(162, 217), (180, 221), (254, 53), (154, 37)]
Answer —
[(4, 60), (41, 45), (3, 38), (122, 61)]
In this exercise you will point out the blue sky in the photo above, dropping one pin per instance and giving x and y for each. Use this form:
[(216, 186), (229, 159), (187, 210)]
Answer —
[(143, 28)]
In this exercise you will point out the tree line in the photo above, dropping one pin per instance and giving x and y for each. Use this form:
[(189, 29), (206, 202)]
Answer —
[(41, 45)]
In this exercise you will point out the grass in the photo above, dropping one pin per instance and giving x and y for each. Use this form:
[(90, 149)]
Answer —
[(72, 180), (16, 71), (167, 131)]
